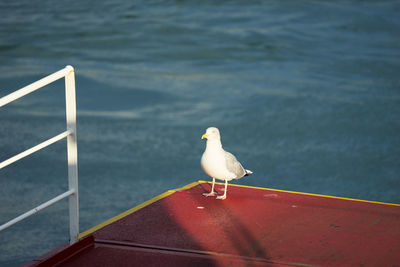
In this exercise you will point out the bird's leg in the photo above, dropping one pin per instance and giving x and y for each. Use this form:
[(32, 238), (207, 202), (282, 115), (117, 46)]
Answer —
[(212, 193), (226, 189)]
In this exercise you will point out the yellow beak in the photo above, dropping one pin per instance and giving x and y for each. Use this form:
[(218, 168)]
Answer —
[(204, 136)]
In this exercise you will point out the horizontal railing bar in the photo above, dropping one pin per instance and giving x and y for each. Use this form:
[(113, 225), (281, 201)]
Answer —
[(34, 86), (37, 209), (34, 149)]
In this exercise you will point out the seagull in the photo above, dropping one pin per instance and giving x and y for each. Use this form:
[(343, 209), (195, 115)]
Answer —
[(218, 163)]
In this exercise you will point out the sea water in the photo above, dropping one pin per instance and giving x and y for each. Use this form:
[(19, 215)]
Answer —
[(306, 94)]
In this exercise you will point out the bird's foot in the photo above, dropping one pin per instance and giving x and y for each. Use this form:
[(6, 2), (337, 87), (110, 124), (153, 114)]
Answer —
[(221, 197), (211, 194)]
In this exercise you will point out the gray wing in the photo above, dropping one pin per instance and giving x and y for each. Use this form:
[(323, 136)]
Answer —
[(234, 166)]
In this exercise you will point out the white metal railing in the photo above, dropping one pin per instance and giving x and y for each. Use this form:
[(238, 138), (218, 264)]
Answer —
[(72, 152)]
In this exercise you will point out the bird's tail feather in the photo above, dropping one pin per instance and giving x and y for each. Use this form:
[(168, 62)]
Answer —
[(248, 172)]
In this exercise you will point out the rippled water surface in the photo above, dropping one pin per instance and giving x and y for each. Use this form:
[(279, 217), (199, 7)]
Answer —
[(305, 93)]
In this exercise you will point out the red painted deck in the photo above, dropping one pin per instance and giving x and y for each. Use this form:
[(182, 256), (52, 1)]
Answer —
[(252, 227)]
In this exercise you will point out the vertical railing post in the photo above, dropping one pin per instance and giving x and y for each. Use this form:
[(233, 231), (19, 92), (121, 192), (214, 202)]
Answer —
[(72, 152)]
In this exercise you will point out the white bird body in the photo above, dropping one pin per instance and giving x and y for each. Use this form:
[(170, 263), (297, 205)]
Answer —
[(214, 162), (218, 163)]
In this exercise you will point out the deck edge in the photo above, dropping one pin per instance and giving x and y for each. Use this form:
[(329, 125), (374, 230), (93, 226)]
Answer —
[(134, 209), (307, 194)]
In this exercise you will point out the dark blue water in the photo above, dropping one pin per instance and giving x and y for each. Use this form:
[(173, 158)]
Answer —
[(305, 93)]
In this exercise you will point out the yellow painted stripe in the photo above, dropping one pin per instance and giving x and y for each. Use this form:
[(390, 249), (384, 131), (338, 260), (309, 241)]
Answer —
[(307, 194), (136, 208), (187, 186)]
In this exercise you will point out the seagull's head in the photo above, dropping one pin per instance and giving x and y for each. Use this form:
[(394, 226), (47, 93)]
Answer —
[(212, 133)]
